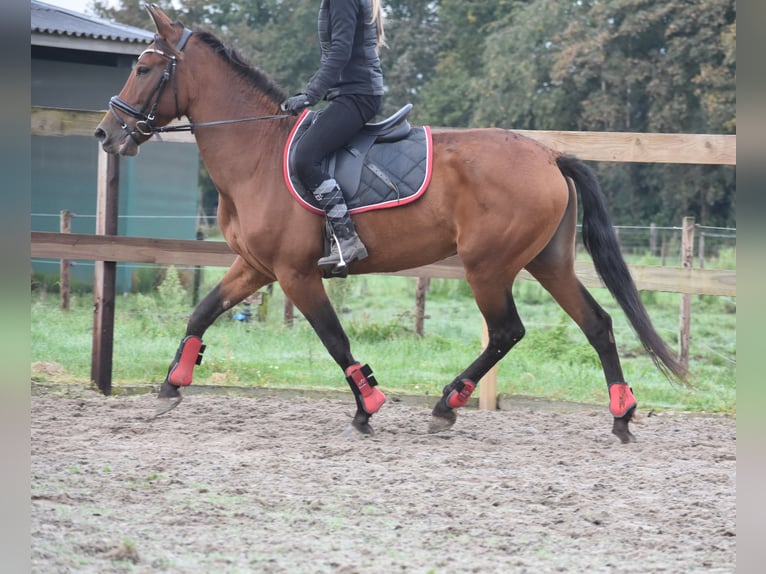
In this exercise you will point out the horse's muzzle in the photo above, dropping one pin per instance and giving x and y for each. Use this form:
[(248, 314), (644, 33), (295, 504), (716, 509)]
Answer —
[(116, 141)]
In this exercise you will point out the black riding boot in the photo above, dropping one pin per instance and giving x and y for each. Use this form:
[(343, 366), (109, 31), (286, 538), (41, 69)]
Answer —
[(346, 245)]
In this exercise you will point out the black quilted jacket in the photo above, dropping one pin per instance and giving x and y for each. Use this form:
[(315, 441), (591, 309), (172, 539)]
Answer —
[(350, 62)]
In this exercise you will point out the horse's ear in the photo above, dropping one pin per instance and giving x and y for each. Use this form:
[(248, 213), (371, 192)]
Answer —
[(161, 21)]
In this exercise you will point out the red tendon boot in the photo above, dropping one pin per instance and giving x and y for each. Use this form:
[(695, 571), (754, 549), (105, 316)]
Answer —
[(621, 399), (460, 398), (189, 354), (361, 377)]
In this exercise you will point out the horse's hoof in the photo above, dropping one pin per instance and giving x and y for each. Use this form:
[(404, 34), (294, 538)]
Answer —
[(621, 429), (442, 417), (356, 430), (625, 437), (165, 405), (441, 424), (169, 391), (168, 398)]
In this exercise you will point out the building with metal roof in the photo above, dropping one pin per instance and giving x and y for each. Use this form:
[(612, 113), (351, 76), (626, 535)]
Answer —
[(61, 28)]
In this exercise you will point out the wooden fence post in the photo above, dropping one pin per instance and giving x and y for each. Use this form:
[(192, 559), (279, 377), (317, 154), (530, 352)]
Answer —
[(289, 313), (66, 227), (197, 271), (105, 273), (420, 303), (488, 383), (687, 259)]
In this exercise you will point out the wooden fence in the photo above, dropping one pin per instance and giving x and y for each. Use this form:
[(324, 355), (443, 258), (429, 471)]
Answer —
[(106, 248), (689, 280)]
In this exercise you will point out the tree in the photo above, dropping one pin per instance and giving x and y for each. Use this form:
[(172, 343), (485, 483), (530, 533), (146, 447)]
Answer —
[(518, 90), (639, 65), (410, 56), (451, 95)]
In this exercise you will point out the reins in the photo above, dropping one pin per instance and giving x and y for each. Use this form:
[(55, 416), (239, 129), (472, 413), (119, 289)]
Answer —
[(191, 126)]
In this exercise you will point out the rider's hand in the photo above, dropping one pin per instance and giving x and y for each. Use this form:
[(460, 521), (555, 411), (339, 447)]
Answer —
[(296, 104)]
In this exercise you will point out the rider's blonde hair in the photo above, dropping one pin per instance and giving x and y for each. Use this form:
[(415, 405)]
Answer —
[(377, 17)]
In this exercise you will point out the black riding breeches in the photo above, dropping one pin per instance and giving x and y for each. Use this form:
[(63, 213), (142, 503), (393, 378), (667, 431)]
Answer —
[(333, 128)]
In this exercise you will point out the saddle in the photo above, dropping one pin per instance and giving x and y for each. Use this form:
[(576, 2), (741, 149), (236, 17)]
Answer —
[(387, 164)]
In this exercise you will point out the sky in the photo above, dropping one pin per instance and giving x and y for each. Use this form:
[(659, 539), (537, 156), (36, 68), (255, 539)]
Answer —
[(76, 5), (82, 6)]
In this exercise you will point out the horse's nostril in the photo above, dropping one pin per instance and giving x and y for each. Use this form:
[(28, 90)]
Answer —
[(100, 134)]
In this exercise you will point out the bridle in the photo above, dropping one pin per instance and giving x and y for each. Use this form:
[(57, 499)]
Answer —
[(144, 124)]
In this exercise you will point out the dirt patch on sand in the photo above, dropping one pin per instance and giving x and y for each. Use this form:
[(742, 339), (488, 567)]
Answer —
[(269, 484)]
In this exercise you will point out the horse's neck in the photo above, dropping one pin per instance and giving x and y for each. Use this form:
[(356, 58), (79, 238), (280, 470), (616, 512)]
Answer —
[(244, 154)]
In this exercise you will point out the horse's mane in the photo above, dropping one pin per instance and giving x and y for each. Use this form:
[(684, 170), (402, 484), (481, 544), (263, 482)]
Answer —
[(241, 66)]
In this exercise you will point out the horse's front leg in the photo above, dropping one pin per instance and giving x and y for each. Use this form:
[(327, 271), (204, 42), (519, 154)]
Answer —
[(239, 281), (308, 294)]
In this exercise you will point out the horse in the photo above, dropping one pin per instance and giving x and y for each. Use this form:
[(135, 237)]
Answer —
[(498, 200)]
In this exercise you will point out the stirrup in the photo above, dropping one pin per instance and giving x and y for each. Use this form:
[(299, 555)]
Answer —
[(333, 268), (341, 260), (339, 267)]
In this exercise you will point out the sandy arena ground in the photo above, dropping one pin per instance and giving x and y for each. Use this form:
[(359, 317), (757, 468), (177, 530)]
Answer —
[(271, 484)]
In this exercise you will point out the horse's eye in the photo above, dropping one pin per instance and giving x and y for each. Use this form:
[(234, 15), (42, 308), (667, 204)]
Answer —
[(142, 70)]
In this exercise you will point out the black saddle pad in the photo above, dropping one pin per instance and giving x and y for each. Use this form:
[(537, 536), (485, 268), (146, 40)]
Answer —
[(390, 174)]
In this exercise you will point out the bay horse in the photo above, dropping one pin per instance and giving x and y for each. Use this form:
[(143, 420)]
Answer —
[(500, 201)]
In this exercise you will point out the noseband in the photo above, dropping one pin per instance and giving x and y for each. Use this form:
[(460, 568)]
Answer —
[(144, 124)]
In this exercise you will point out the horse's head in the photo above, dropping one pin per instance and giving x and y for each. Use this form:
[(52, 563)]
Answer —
[(151, 97)]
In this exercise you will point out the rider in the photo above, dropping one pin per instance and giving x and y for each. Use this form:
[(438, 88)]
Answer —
[(350, 78)]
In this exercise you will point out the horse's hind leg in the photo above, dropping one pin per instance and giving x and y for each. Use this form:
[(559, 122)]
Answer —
[(596, 324), (505, 329), (554, 269), (239, 281)]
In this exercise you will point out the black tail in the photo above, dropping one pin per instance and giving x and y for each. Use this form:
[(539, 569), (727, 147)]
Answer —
[(601, 242)]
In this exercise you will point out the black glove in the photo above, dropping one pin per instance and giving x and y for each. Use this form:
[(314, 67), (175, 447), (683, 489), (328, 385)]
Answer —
[(296, 104)]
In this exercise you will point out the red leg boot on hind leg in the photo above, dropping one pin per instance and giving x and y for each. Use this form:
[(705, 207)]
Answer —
[(457, 399), (622, 405), (454, 395), (361, 377), (621, 399)]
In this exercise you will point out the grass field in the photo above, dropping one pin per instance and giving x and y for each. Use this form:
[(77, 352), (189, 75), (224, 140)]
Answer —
[(553, 361)]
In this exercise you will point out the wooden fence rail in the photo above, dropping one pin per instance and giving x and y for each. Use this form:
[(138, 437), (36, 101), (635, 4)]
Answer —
[(716, 149), (217, 254), (106, 248)]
